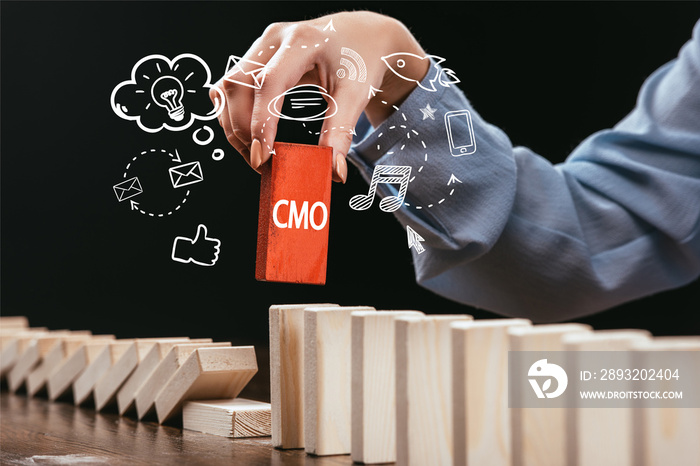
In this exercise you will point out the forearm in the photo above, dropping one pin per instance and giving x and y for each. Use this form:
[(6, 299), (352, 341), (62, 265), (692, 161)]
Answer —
[(520, 236)]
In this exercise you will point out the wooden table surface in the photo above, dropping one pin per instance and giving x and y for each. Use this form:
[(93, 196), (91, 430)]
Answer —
[(36, 431)]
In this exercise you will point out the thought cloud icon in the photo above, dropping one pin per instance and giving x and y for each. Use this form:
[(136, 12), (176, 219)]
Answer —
[(164, 93), (308, 102)]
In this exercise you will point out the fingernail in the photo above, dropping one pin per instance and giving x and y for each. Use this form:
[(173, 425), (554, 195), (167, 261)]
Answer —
[(255, 154), (341, 167)]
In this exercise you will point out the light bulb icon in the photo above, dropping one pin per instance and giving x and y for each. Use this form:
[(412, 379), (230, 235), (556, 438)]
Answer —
[(167, 92)]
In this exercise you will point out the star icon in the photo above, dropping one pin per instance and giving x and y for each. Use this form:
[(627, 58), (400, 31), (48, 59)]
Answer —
[(428, 112)]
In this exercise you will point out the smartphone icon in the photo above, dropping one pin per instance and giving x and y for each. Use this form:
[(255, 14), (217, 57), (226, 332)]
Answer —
[(461, 138)]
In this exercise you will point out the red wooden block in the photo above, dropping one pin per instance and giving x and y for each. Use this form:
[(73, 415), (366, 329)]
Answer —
[(295, 200)]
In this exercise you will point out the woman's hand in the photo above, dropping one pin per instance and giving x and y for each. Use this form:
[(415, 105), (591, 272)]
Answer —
[(304, 53)]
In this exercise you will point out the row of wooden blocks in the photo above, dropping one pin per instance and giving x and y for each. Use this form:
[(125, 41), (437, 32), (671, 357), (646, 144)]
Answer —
[(415, 389), (143, 376)]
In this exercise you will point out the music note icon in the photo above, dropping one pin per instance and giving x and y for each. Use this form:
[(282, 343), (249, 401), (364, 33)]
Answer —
[(392, 174)]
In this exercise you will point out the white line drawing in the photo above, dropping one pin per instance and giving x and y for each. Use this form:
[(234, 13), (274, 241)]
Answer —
[(453, 179), (206, 248), (411, 136), (329, 26), (203, 142), (127, 189), (217, 154), (186, 174), (356, 68), (392, 174), (397, 63), (158, 83), (461, 139), (245, 72), (373, 91), (302, 97), (175, 158), (428, 112), (167, 92), (414, 240)]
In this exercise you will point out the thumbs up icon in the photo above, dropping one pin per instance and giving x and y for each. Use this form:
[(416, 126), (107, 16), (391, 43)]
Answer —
[(202, 250)]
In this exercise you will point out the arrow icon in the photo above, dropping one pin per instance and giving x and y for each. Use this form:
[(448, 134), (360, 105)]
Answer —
[(329, 26), (453, 179), (134, 205), (414, 240), (176, 157), (373, 91)]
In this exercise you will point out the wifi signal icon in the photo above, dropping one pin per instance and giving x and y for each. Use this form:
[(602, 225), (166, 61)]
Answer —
[(354, 72)]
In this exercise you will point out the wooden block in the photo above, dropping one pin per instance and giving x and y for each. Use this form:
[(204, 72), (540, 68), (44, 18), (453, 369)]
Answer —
[(235, 418), (53, 359), (424, 389), (105, 389), (13, 322), (481, 418), (665, 435), (287, 374), (84, 384), (146, 366), (145, 396), (60, 381), (295, 200), (37, 348), (14, 342), (598, 436), (209, 373), (373, 387), (327, 379), (538, 435)]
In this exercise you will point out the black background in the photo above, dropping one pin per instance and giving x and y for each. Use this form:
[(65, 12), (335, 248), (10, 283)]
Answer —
[(548, 73)]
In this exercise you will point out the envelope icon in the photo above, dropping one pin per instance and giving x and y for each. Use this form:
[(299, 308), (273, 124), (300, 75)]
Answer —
[(128, 189), (186, 174), (245, 72)]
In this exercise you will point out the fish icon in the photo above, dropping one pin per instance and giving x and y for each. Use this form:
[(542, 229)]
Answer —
[(400, 61)]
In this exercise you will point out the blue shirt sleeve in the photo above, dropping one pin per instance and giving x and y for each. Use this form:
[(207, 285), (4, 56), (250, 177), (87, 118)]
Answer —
[(507, 231)]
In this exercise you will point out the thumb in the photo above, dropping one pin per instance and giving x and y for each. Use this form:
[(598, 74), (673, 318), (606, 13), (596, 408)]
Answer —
[(201, 232), (339, 128)]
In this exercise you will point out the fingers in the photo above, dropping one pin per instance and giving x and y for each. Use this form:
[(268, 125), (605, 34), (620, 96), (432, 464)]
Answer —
[(225, 123), (238, 84), (284, 70), (338, 130)]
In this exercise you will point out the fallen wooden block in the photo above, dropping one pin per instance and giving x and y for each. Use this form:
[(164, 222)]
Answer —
[(328, 379), (235, 418), (287, 374), (539, 434), (424, 389), (146, 395), (33, 354), (209, 373), (53, 359), (481, 419), (373, 387), (14, 342), (598, 436), (84, 384), (61, 380), (149, 362), (295, 199), (105, 390), (13, 322), (666, 435)]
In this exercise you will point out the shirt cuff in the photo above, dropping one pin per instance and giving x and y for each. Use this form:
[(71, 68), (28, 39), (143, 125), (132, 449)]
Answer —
[(457, 203)]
